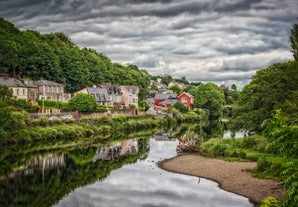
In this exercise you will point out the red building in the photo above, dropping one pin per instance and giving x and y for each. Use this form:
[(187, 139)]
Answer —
[(164, 99), (187, 99)]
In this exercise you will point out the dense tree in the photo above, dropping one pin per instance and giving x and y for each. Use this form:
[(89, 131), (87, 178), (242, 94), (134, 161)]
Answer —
[(5, 93), (56, 58), (176, 89), (180, 107), (83, 103), (294, 41), (211, 98), (272, 88)]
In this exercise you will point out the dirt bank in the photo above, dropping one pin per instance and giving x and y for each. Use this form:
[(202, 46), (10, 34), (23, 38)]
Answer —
[(231, 176)]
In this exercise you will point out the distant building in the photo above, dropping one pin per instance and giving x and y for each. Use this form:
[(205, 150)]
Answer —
[(130, 95), (100, 94), (53, 91), (19, 90), (187, 99), (168, 99)]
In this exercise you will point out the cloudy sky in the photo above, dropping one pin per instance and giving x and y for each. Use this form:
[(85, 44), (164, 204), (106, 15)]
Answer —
[(203, 40)]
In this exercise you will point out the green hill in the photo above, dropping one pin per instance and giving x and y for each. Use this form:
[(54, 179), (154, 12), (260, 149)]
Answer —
[(55, 57)]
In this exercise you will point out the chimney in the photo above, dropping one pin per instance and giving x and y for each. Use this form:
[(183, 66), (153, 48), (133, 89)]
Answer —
[(4, 75)]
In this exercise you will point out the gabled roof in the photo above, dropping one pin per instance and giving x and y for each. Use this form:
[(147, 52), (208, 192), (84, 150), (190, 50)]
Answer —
[(165, 96), (11, 82), (169, 101), (47, 83), (188, 94), (130, 89)]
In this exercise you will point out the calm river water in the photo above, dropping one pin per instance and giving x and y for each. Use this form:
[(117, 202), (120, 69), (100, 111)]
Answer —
[(142, 183)]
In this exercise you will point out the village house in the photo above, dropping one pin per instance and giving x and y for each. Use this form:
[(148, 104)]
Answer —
[(187, 99), (32, 93), (130, 95), (19, 90), (114, 93), (100, 94), (165, 99), (49, 90)]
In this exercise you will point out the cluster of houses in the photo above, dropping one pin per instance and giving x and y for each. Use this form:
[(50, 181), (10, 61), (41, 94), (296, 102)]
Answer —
[(164, 98), (105, 94)]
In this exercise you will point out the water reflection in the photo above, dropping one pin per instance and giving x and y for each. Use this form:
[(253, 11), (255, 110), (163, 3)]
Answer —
[(115, 149), (144, 184), (115, 174)]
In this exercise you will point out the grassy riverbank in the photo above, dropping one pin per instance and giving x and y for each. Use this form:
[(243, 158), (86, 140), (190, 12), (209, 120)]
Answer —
[(270, 164), (90, 128)]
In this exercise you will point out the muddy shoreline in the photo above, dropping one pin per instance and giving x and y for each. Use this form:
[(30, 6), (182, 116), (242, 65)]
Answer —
[(231, 176)]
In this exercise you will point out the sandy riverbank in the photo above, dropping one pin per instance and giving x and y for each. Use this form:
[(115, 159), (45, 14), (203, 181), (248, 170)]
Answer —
[(231, 176)]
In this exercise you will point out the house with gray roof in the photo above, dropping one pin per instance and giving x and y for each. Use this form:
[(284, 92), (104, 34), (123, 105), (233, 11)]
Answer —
[(53, 91), (19, 90)]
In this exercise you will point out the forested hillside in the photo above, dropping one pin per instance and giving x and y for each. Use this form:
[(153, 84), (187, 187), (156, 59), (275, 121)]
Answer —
[(55, 57)]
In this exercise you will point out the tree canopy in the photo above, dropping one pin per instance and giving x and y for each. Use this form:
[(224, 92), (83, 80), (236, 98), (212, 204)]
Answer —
[(83, 103), (294, 41), (272, 88), (56, 58), (210, 97)]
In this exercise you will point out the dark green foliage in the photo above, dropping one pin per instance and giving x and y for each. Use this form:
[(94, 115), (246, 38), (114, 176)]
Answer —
[(143, 106), (54, 57), (180, 107), (270, 89), (209, 97), (83, 103), (294, 41)]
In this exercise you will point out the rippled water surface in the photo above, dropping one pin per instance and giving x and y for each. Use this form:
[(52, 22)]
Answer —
[(144, 184)]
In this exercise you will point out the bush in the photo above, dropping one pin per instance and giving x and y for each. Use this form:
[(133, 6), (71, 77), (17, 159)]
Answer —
[(270, 202)]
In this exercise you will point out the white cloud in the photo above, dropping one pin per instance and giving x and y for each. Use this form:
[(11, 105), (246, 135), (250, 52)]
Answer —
[(201, 40)]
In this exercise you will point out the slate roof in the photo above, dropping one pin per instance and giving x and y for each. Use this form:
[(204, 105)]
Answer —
[(101, 94), (11, 82), (188, 94), (47, 83), (165, 96), (169, 101)]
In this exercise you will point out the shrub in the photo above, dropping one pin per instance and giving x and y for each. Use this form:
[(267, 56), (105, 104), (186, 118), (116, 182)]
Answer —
[(270, 202)]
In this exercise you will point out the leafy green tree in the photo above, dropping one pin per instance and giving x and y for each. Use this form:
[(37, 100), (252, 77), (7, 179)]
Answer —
[(209, 97), (294, 41), (271, 88), (180, 107), (5, 93), (83, 103), (234, 87), (143, 106), (176, 89)]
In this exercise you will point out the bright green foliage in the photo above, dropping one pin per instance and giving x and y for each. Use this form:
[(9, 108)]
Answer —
[(284, 133), (176, 89), (270, 89), (143, 106), (83, 103), (270, 202), (5, 93), (210, 97)]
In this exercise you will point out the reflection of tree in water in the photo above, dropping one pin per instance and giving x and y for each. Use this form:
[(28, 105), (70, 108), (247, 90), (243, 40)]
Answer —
[(47, 188)]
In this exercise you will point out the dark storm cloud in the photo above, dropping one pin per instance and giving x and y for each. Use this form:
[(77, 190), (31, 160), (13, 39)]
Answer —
[(198, 39)]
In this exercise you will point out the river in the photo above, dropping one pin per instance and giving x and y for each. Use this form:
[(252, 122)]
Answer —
[(144, 184), (123, 173)]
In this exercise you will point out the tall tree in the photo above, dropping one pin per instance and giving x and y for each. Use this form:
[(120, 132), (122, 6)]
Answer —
[(211, 98), (271, 88), (294, 41)]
